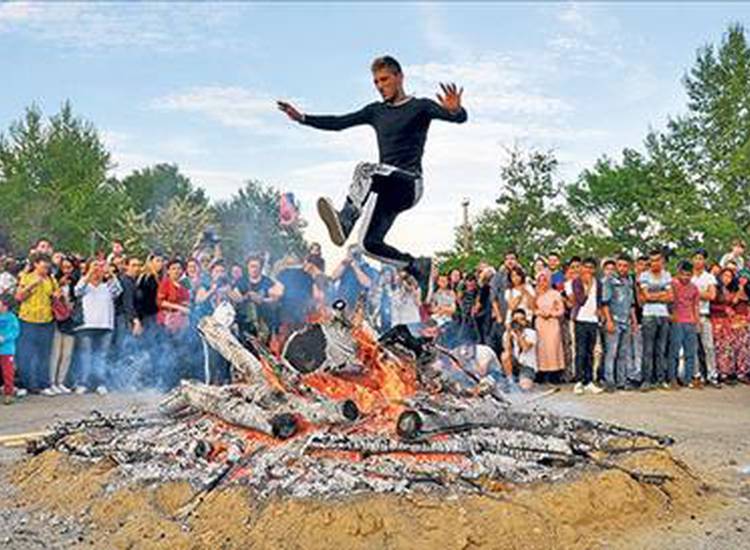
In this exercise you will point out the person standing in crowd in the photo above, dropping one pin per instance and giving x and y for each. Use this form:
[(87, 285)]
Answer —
[(519, 295), (483, 306), (557, 277), (618, 309), (353, 277), (315, 256), (730, 330), (260, 294), (381, 299), (298, 299), (63, 342), (146, 289), (735, 256), (500, 283), (128, 327), (97, 291), (173, 303), (707, 284), (218, 291), (655, 287), (585, 314), (519, 357), (685, 319), (117, 254), (406, 301), (443, 302), (36, 290), (8, 276), (641, 266), (548, 310), (10, 329)]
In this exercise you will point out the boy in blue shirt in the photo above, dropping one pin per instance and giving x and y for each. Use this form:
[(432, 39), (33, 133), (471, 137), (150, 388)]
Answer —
[(9, 331)]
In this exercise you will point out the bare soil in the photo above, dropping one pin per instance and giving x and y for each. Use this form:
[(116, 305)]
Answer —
[(707, 505)]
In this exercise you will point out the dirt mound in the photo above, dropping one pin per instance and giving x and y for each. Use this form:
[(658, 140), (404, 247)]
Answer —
[(590, 511)]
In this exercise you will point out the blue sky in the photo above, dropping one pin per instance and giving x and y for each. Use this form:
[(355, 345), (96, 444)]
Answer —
[(195, 83)]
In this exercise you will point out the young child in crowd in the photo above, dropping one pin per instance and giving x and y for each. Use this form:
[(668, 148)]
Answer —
[(9, 331)]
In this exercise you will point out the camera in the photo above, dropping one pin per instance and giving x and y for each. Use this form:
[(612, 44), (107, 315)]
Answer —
[(515, 325), (210, 236)]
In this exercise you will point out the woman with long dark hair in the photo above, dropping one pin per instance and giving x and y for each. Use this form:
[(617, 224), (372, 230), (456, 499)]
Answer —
[(730, 325)]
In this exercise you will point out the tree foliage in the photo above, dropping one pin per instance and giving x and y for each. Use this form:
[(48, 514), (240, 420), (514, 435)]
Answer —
[(249, 222), (688, 188), (173, 228), (53, 174)]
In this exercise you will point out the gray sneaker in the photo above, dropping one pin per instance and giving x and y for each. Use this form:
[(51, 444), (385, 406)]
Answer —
[(339, 224)]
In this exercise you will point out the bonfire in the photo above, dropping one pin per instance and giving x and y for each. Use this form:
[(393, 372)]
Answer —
[(342, 411)]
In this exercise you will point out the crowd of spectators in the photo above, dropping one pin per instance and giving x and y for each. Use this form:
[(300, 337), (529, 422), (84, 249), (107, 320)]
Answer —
[(121, 321)]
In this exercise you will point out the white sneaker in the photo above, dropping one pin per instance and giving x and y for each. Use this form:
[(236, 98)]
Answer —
[(48, 392), (578, 388), (102, 390), (22, 392), (593, 388), (80, 390), (63, 389)]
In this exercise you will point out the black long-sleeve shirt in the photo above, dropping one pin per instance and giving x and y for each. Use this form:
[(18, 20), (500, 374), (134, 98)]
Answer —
[(401, 129)]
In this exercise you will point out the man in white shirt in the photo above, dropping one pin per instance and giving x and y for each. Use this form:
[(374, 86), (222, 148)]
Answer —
[(586, 302), (706, 284)]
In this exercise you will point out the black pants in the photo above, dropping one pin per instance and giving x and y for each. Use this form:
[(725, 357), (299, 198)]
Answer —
[(586, 334), (396, 190)]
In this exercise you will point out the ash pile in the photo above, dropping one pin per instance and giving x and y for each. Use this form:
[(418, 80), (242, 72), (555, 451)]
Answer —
[(345, 411)]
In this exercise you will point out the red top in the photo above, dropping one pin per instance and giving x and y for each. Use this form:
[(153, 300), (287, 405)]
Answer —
[(686, 300), (171, 292)]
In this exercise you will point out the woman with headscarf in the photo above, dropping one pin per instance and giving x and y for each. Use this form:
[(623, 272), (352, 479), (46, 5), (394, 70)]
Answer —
[(548, 309)]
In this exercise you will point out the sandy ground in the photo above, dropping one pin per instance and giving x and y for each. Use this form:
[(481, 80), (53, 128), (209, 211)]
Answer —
[(711, 428)]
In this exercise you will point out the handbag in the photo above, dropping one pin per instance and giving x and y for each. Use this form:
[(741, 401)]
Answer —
[(61, 310)]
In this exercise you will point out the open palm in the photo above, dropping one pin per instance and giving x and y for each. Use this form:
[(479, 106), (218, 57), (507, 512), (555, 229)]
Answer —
[(451, 97)]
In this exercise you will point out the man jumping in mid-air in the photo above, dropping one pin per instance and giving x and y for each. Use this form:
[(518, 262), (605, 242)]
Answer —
[(401, 123)]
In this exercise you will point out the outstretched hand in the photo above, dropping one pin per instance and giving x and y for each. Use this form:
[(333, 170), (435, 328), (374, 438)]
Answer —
[(290, 111), (451, 98)]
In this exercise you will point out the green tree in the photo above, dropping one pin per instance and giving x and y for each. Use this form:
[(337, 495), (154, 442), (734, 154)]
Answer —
[(53, 175), (529, 218), (153, 188), (709, 146), (249, 221), (174, 228)]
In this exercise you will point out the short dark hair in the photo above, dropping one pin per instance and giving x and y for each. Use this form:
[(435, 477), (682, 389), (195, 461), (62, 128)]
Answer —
[(702, 252), (39, 257), (255, 257), (656, 252), (608, 261), (174, 261), (590, 261), (574, 259), (386, 62), (624, 257), (685, 265), (643, 258), (518, 310)]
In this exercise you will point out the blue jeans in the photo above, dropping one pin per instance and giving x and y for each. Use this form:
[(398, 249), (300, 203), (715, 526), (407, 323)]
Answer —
[(655, 337), (93, 346), (618, 361), (683, 336), (32, 355)]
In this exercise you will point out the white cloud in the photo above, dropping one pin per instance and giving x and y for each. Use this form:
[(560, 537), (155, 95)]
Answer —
[(91, 26), (231, 106)]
